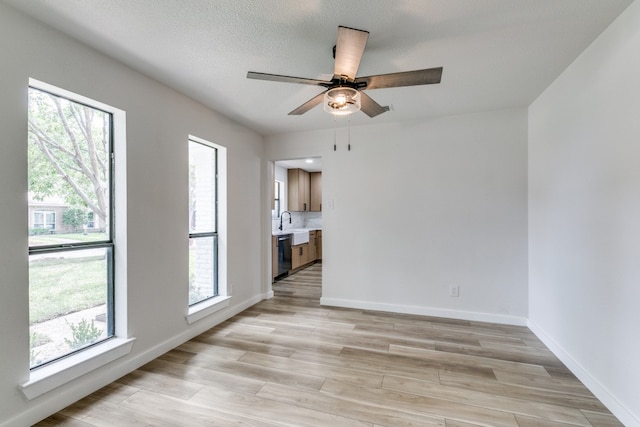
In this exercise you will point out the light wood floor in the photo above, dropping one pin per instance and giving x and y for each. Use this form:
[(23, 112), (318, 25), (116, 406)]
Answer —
[(289, 361)]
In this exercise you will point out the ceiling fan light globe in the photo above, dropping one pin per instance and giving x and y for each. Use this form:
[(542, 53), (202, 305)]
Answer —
[(341, 101)]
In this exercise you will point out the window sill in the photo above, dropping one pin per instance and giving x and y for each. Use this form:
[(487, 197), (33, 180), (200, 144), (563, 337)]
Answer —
[(206, 308), (49, 377)]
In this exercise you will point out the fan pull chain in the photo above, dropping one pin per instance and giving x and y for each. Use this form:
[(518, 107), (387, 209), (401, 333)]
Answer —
[(349, 132), (334, 133)]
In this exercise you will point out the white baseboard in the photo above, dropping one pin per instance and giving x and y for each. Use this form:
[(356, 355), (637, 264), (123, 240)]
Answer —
[(96, 380), (427, 311), (620, 411)]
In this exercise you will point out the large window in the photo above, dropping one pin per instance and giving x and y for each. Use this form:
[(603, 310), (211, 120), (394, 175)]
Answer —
[(203, 221), (71, 265)]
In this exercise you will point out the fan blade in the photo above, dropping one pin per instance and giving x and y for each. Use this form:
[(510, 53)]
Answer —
[(405, 78), (307, 105), (287, 79), (370, 107), (349, 50)]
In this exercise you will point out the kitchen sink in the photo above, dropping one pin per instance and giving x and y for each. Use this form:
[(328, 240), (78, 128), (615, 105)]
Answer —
[(299, 237)]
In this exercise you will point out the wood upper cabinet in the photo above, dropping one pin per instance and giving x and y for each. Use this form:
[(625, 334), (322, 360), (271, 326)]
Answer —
[(315, 190), (305, 191), (298, 184)]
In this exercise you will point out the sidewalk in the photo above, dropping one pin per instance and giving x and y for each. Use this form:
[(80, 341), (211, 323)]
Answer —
[(51, 333)]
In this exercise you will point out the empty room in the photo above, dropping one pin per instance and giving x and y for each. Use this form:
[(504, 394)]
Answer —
[(369, 213)]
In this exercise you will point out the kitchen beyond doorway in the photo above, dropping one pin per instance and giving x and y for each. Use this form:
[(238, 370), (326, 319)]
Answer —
[(296, 214)]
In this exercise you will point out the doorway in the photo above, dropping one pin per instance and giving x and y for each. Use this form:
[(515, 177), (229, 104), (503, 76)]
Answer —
[(296, 216)]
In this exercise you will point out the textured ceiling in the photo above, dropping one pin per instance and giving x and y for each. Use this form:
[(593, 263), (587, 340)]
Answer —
[(495, 53)]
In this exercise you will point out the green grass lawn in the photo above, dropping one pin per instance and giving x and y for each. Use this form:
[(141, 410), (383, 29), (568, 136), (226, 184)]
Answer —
[(61, 286), (54, 239)]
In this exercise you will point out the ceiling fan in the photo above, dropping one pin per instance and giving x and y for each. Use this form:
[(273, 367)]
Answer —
[(344, 94)]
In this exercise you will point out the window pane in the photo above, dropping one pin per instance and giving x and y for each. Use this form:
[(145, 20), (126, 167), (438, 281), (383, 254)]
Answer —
[(202, 188), (69, 203), (38, 220), (277, 185), (69, 170), (68, 298), (202, 268)]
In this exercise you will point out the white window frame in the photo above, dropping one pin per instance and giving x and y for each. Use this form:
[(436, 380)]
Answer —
[(54, 374), (209, 306)]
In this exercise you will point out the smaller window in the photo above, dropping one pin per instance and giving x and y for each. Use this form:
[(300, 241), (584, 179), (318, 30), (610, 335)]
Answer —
[(203, 221), (277, 191)]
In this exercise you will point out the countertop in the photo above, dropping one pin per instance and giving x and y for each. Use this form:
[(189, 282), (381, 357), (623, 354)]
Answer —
[(293, 230)]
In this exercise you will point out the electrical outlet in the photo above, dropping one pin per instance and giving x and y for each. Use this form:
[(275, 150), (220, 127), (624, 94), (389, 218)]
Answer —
[(454, 290)]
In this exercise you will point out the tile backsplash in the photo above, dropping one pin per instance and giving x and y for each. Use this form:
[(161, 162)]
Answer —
[(298, 220)]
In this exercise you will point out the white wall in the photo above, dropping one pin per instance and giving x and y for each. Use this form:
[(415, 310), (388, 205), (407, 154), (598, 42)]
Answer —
[(158, 123), (420, 206), (584, 213)]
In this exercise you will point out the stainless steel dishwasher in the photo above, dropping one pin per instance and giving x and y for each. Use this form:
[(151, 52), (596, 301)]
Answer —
[(284, 253)]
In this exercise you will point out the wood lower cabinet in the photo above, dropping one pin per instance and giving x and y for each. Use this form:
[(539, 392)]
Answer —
[(312, 246), (274, 256), (319, 245), (299, 255), (307, 253)]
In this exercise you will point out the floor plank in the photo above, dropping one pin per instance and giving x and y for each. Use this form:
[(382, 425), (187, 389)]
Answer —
[(364, 411), (289, 361)]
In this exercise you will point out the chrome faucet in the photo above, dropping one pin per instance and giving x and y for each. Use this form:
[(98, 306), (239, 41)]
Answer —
[(281, 215)]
